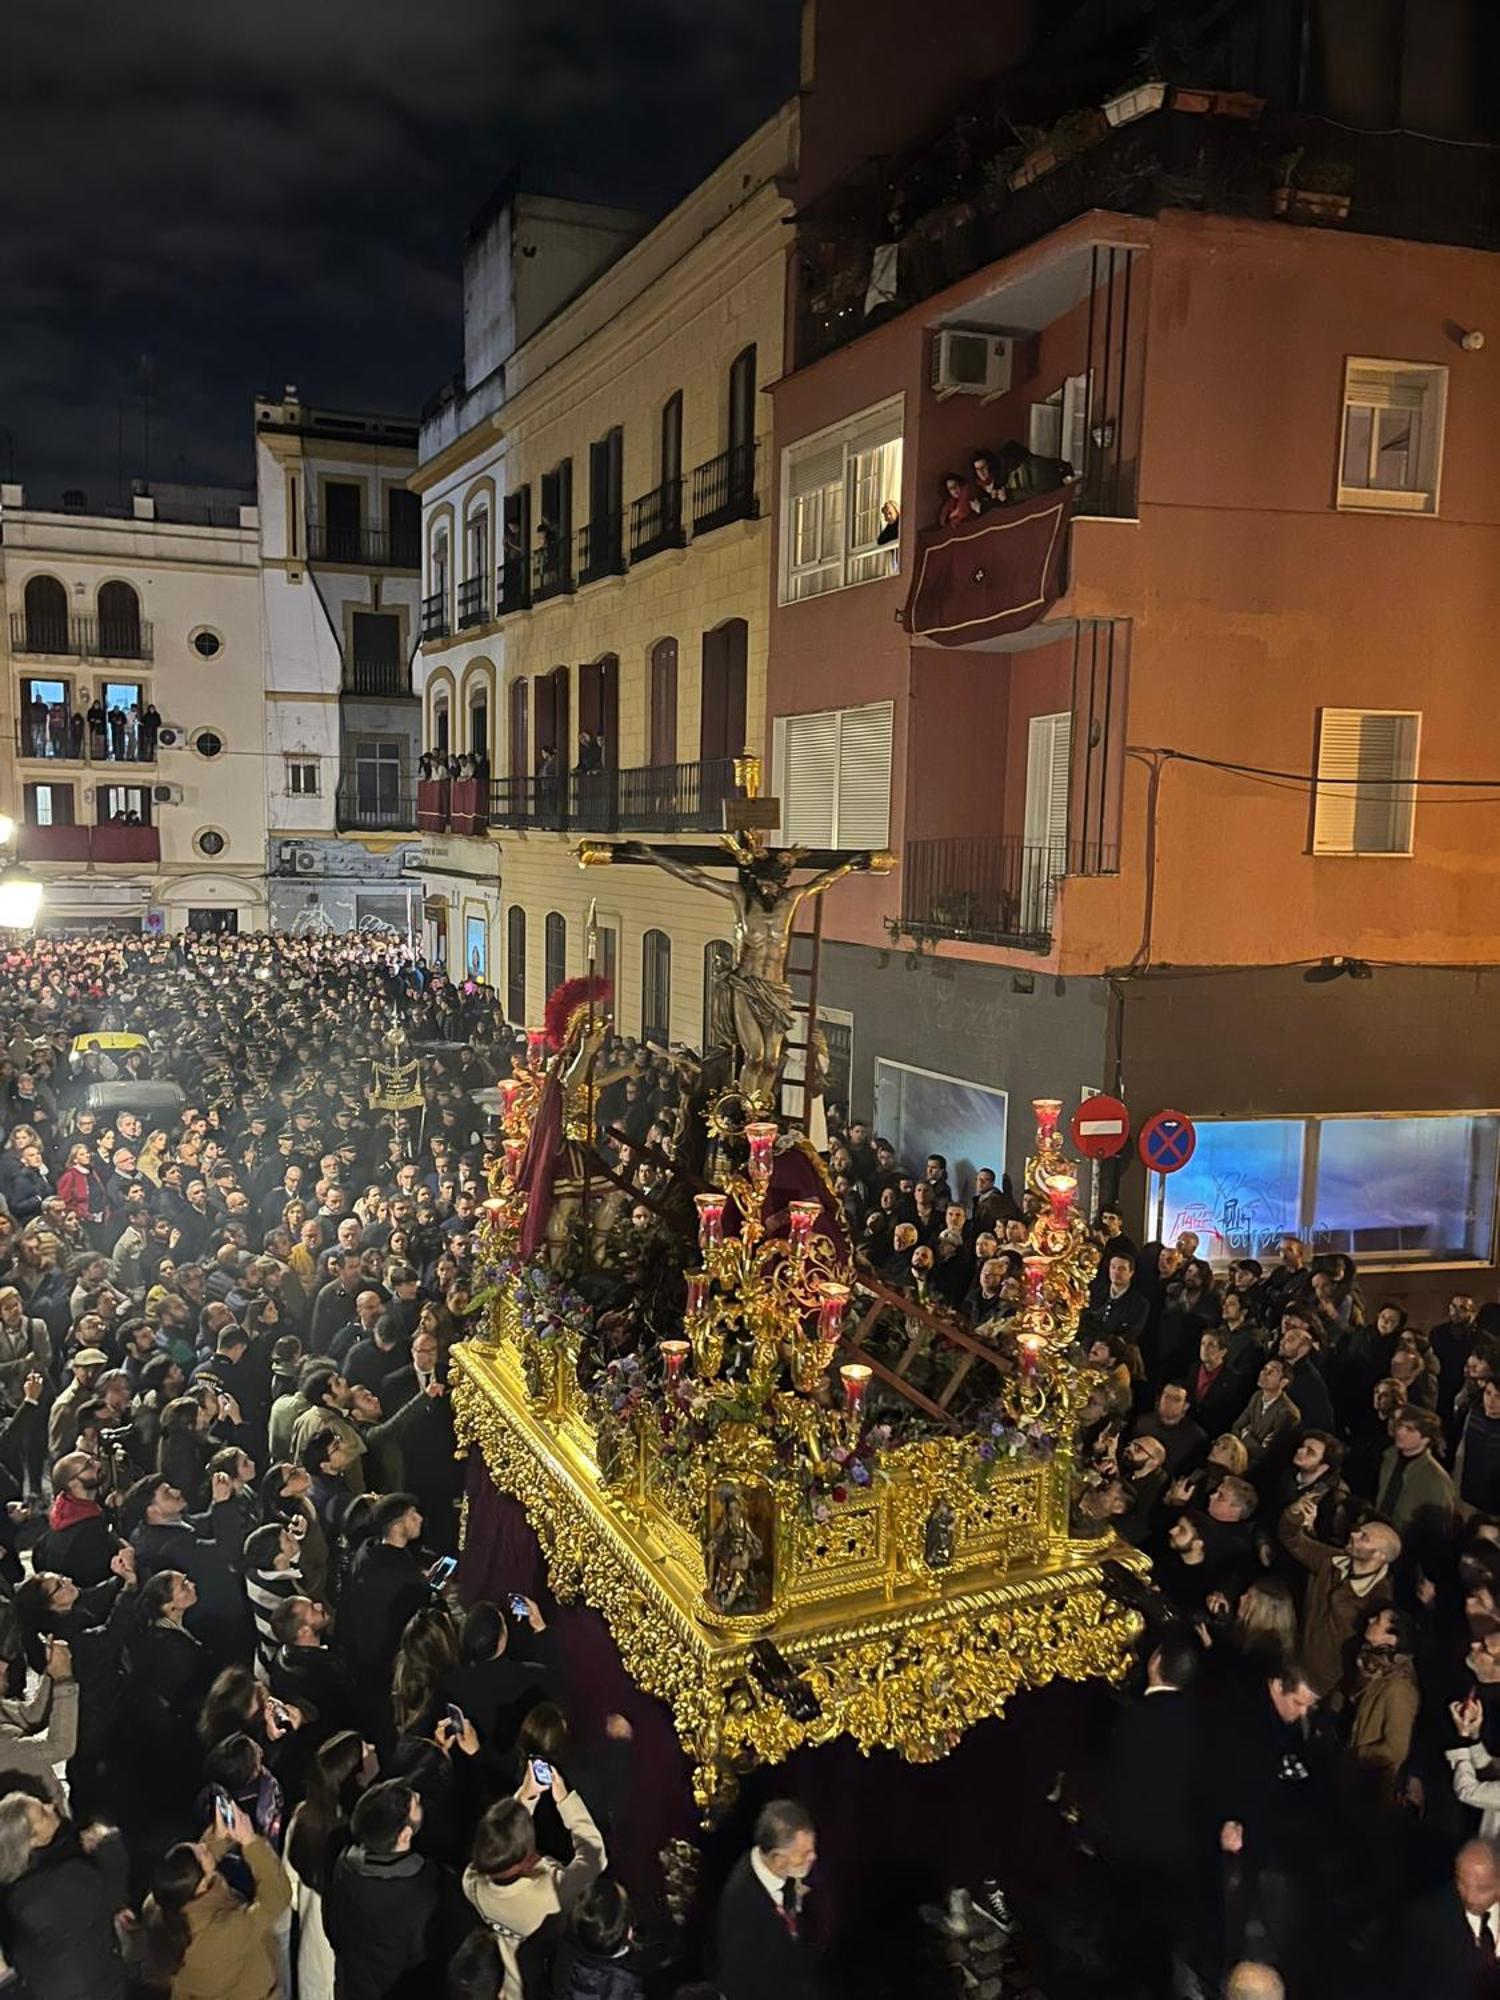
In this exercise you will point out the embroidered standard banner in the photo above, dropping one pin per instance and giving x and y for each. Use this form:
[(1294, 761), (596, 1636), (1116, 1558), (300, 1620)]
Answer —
[(997, 573)]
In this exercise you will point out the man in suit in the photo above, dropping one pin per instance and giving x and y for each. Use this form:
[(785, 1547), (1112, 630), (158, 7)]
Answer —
[(1152, 1814), (762, 1953), (1453, 1936)]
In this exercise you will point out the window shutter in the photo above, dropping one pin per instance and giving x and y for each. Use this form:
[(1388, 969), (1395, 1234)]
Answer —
[(1045, 433), (1386, 388), (1075, 422), (1364, 800), (862, 815), (810, 750), (822, 467)]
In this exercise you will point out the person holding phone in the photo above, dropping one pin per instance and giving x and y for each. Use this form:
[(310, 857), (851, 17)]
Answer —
[(506, 1665), (513, 1887), (202, 1937)]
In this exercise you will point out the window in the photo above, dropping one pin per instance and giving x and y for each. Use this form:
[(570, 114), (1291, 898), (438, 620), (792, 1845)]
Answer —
[(207, 645), (1364, 799), (119, 621), (208, 743), (1393, 1189), (479, 724), (656, 987), (834, 488), (718, 957), (607, 953), (49, 805), (663, 703), (403, 515), (1391, 451), (440, 729), (47, 719), (46, 603), (515, 966), (833, 776), (377, 777), (343, 511), (378, 666), (554, 951), (123, 804), (1059, 426), (302, 777), (209, 840), (1044, 840)]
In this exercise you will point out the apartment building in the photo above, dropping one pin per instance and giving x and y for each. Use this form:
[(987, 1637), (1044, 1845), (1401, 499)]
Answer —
[(340, 573), (1186, 760), (597, 537), (133, 744)]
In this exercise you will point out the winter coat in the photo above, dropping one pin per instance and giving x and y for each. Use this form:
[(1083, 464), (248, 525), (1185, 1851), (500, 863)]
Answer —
[(58, 1919), (516, 1910), (232, 1953)]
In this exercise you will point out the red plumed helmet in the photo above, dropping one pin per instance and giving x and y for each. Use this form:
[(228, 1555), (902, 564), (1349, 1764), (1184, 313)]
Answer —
[(567, 1000)]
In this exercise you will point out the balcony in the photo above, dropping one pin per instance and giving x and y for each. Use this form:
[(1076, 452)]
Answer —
[(117, 841), (53, 843), (982, 889), (473, 602), (363, 547), (385, 680), (368, 800), (513, 586), (435, 615), (656, 521), (646, 798), (724, 489), (44, 744), (601, 549), (551, 570), (81, 638)]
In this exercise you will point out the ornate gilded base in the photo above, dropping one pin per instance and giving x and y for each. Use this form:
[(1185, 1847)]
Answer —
[(899, 1654)]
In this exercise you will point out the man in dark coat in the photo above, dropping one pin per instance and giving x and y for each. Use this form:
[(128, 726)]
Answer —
[(1453, 1937), (381, 1907), (762, 1952), (386, 1585)]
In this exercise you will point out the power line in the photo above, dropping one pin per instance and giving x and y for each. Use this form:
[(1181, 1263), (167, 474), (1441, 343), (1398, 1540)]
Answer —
[(1305, 780)]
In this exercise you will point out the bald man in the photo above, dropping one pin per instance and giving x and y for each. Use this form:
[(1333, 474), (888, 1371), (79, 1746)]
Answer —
[(1343, 1585), (1248, 1981), (1452, 1944)]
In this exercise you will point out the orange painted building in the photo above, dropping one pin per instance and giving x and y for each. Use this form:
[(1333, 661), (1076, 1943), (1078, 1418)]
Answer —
[(1220, 828)]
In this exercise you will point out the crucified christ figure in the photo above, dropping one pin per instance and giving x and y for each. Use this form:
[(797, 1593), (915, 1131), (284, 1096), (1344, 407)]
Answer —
[(752, 1006)]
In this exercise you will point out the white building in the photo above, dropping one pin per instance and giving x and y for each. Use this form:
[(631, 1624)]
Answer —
[(340, 557), (145, 617)]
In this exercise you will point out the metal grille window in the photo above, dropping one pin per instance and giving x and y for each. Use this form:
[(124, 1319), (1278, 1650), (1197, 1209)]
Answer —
[(1390, 453), (554, 951), (656, 987), (302, 777), (1364, 799), (515, 965), (835, 487), (833, 776), (377, 777)]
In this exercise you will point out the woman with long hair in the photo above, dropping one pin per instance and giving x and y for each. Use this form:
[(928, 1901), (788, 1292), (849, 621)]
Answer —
[(1265, 1622), (428, 1650), (185, 1447), (201, 1937), (316, 1836), (513, 1887)]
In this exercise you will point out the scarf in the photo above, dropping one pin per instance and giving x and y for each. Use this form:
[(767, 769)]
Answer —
[(66, 1512), (1360, 1585), (1381, 1663)]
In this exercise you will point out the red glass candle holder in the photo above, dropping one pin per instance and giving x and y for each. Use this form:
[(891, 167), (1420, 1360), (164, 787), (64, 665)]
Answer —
[(493, 1210), (1062, 1190), (761, 1139), (510, 1089), (515, 1152), (801, 1216), (1031, 1354), (1048, 1110), (536, 1045), (710, 1209), (1036, 1278), (831, 1311), (697, 1286), (855, 1376), (674, 1354)]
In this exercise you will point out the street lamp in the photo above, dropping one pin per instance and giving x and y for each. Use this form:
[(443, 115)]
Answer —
[(20, 891)]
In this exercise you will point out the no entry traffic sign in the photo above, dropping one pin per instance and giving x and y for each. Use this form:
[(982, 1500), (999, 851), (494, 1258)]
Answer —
[(1100, 1127), (1167, 1142)]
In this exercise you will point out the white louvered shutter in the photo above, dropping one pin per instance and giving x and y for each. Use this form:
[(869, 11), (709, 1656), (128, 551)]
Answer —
[(863, 805), (810, 750), (1365, 797)]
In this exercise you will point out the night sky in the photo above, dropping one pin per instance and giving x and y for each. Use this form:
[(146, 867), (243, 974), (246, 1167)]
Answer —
[(205, 199)]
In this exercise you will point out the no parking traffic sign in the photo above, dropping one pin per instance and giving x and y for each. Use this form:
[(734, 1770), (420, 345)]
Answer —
[(1168, 1141)]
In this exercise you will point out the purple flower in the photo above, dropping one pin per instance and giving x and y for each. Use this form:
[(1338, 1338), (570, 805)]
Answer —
[(859, 1472)]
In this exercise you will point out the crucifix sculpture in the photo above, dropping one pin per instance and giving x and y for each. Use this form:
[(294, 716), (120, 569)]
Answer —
[(753, 1008)]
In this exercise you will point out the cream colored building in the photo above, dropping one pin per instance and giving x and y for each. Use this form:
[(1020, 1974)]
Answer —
[(152, 609), (596, 534)]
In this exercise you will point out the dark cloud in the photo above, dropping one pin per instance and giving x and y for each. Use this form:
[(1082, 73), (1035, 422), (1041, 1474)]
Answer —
[(206, 199)]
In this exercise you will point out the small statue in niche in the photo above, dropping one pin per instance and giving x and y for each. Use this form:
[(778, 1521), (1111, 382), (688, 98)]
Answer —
[(938, 1537)]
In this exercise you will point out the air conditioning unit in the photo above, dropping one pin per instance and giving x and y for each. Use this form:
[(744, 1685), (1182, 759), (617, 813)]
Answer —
[(167, 795), (306, 861), (171, 736), (965, 363)]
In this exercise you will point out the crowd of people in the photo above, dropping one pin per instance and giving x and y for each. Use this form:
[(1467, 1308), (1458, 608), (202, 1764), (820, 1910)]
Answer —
[(253, 1743)]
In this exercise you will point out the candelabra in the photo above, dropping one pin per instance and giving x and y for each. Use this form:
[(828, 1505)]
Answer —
[(787, 1294)]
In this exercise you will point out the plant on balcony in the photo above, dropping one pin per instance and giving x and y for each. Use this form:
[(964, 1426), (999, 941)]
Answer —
[(1312, 190)]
